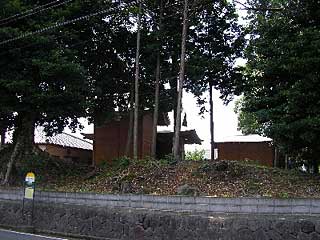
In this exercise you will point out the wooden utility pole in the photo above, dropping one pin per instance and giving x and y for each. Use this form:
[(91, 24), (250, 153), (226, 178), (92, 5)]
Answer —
[(157, 83), (211, 121), (176, 143), (136, 103)]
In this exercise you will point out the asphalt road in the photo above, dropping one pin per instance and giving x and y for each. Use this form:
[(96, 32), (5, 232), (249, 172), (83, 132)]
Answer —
[(11, 235)]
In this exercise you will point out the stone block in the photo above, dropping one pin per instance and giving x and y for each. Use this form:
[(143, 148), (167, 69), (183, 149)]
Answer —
[(315, 202), (174, 199), (283, 209), (307, 226), (136, 204), (301, 202), (314, 236), (217, 208), (148, 205), (302, 209), (218, 201), (201, 207), (314, 210), (266, 201), (282, 202), (274, 235), (266, 209), (245, 234), (160, 206), (303, 236), (188, 200), (160, 199), (249, 209), (202, 200), (147, 198), (249, 201), (288, 236), (317, 226), (135, 198), (260, 235), (233, 209)]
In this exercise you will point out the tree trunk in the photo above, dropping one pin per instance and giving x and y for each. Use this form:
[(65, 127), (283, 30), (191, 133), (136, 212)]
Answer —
[(211, 122), (136, 104), (14, 156), (157, 83), (130, 128), (23, 144), (156, 111), (3, 137), (176, 143)]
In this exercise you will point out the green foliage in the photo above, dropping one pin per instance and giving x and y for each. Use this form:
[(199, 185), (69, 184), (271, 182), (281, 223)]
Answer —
[(41, 79), (168, 159), (247, 121), (196, 155), (281, 93)]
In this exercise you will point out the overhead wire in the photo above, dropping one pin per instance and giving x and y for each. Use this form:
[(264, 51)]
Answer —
[(32, 12), (61, 24)]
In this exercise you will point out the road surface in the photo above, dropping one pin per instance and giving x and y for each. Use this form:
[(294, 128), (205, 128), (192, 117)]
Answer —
[(11, 235)]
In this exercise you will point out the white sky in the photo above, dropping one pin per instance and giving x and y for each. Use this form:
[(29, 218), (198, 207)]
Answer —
[(225, 119)]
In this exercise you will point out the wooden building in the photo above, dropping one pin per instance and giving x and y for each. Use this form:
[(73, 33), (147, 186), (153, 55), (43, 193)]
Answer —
[(251, 147), (65, 146), (110, 139)]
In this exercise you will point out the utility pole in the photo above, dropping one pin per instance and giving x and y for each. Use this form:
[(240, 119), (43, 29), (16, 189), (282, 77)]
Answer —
[(211, 121), (136, 103), (176, 143)]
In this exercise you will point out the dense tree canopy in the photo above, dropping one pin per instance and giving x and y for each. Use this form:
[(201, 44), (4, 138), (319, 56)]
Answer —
[(87, 68), (283, 73), (41, 81)]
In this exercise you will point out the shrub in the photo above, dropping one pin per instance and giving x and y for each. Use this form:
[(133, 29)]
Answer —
[(196, 155)]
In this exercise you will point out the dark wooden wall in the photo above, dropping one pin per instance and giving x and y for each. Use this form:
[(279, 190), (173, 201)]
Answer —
[(76, 155), (261, 152), (111, 139)]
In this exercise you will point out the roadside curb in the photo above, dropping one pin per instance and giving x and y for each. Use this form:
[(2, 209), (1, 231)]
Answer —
[(22, 228), (32, 230)]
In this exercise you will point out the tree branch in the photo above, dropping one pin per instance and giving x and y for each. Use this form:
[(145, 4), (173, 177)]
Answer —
[(248, 8)]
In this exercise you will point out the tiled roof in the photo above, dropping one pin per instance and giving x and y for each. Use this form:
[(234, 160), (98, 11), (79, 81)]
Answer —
[(62, 139)]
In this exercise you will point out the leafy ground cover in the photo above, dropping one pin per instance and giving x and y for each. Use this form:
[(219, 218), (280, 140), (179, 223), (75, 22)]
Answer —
[(220, 179)]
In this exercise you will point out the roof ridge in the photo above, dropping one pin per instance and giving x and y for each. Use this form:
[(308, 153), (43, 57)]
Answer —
[(77, 137)]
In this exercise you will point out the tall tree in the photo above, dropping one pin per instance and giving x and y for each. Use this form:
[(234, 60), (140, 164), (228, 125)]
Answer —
[(176, 141), (44, 82), (136, 88), (283, 74), (157, 85)]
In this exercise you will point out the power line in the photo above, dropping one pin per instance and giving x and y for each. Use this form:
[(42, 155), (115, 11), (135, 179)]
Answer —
[(61, 24), (32, 12)]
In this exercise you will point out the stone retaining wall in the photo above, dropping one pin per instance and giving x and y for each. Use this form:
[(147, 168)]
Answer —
[(88, 222), (143, 217), (177, 203)]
